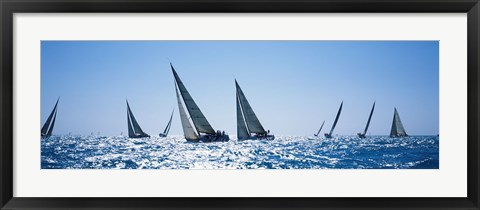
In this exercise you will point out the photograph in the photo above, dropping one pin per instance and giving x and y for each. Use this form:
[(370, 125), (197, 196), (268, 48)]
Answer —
[(238, 104)]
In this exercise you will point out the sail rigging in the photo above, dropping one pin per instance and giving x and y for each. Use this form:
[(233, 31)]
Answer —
[(199, 120), (336, 119), (251, 120), (319, 130), (47, 127), (134, 130), (397, 127)]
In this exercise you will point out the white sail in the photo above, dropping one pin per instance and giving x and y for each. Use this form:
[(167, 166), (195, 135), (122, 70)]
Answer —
[(187, 127), (242, 131), (199, 120), (253, 124), (397, 126)]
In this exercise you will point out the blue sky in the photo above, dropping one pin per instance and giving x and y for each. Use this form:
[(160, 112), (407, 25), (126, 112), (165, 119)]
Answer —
[(292, 85)]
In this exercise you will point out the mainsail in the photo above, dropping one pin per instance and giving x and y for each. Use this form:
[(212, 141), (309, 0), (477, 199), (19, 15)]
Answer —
[(369, 118), (130, 129), (397, 127), (336, 119), (251, 120), (168, 125), (199, 121), (242, 131), (188, 131), (319, 130), (134, 130), (47, 128)]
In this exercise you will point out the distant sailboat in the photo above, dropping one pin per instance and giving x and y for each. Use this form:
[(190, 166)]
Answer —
[(203, 131), (319, 130), (397, 127), (167, 129), (362, 135), (47, 128), (134, 130), (247, 121), (329, 135)]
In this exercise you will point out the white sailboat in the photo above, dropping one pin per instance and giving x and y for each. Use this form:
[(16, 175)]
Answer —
[(247, 121), (203, 131), (397, 127)]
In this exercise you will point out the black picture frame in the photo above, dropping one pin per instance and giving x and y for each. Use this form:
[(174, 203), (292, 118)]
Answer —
[(9, 7)]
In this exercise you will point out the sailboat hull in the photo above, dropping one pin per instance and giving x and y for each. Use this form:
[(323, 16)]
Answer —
[(258, 137), (398, 135), (139, 136), (210, 138), (361, 135), (162, 135), (328, 136)]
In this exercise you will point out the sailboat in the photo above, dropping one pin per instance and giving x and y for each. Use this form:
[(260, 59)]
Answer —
[(203, 131), (134, 130), (165, 132), (329, 135), (362, 135), (397, 127), (319, 130), (47, 127), (247, 121)]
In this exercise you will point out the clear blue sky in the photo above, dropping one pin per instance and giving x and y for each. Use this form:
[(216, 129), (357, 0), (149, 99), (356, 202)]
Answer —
[(292, 85)]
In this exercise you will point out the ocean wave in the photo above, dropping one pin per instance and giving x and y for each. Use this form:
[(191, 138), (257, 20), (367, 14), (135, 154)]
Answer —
[(285, 152)]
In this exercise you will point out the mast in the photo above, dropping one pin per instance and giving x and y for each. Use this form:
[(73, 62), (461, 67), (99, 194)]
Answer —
[(253, 124), (320, 128), (397, 127), (369, 118), (336, 119), (48, 124), (242, 130), (188, 131), (199, 120)]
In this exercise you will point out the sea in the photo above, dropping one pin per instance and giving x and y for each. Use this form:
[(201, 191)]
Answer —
[(285, 152)]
